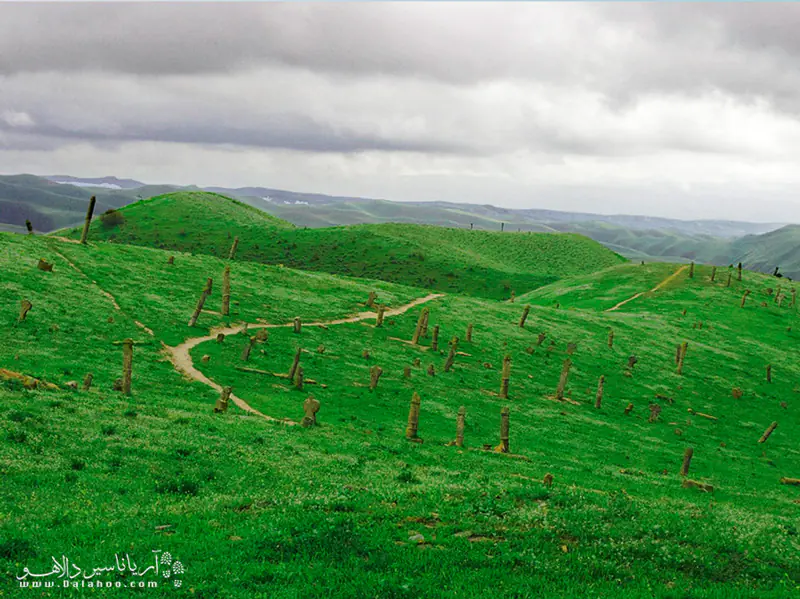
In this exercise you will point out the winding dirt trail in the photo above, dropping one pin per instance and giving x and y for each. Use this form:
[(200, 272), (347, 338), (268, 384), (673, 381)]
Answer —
[(656, 288), (181, 355)]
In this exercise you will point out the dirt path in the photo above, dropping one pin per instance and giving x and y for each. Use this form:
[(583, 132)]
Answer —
[(656, 288), (103, 291), (181, 355)]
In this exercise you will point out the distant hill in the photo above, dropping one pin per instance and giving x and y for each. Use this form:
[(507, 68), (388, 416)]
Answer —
[(779, 248), (50, 205), (482, 263), (310, 209), (60, 201)]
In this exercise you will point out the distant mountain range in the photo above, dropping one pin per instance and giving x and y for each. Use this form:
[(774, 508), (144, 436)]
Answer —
[(60, 201), (104, 182)]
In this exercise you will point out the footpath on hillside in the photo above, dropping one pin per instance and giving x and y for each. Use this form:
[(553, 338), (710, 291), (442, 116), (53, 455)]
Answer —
[(181, 357), (641, 293)]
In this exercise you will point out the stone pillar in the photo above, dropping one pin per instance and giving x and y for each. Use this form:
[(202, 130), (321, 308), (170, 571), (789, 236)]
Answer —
[(524, 317), (222, 401), (88, 221), (418, 331), (460, 426), (379, 318), (684, 347), (505, 377), (562, 383), (374, 376), (598, 400), (768, 432), (310, 409), (201, 302), (226, 291), (413, 417), (295, 364), (127, 365), (503, 446), (451, 357), (24, 307), (233, 248), (744, 297), (248, 348), (687, 460)]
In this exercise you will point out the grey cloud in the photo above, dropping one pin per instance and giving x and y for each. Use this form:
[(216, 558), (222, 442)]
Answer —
[(285, 132), (460, 43), (505, 97)]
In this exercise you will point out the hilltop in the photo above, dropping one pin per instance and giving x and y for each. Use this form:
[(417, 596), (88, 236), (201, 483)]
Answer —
[(189, 221), (483, 263), (329, 508)]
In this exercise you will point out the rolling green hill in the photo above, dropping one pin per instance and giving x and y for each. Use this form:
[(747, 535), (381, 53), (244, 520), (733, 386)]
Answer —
[(350, 507), (483, 263), (199, 222), (51, 205)]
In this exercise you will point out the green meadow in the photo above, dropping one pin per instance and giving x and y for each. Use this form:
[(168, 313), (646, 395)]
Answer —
[(256, 507), (486, 264)]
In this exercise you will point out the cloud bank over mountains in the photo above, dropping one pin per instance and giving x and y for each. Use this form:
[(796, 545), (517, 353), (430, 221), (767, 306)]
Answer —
[(683, 110)]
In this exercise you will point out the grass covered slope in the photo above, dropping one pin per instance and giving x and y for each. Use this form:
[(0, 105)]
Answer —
[(350, 508), (482, 263), (189, 221)]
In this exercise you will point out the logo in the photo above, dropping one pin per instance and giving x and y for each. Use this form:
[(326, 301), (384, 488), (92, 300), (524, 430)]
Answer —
[(124, 572)]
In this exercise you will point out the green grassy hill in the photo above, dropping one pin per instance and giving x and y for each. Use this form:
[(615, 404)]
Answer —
[(350, 508), (198, 222), (481, 263)]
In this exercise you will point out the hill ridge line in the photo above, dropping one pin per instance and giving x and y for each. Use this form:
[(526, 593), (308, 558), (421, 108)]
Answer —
[(181, 358)]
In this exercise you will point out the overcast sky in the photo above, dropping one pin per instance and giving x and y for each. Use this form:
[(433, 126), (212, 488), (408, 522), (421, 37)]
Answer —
[(688, 110)]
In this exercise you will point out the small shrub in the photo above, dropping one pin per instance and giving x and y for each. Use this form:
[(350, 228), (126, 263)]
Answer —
[(109, 431), (407, 476), (112, 218), (19, 416), (16, 549), (18, 436), (183, 486)]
